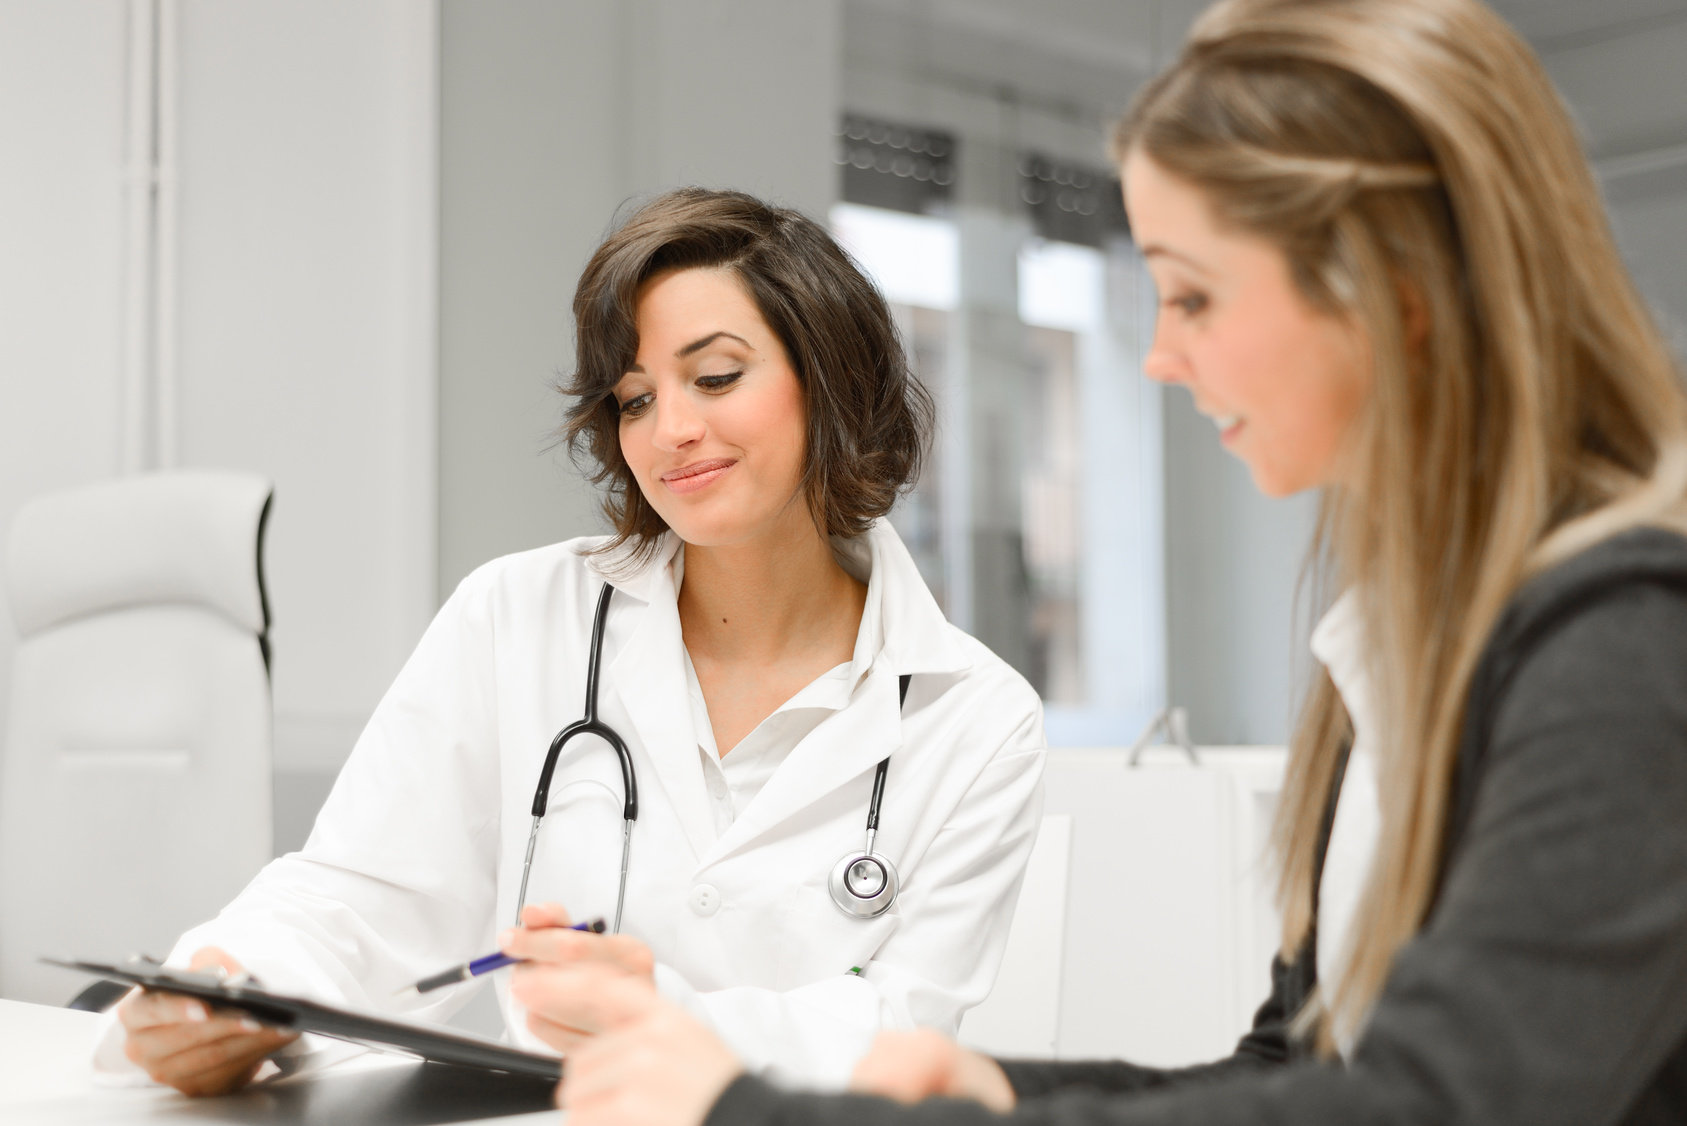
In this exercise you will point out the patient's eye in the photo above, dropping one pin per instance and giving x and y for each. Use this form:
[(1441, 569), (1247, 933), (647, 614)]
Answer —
[(1191, 303)]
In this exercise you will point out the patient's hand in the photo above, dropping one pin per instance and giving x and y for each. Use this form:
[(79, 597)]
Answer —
[(181, 1042), (910, 1066)]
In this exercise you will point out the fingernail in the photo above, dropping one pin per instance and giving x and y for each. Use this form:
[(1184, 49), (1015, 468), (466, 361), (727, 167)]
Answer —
[(194, 1011), (250, 1025), (506, 937)]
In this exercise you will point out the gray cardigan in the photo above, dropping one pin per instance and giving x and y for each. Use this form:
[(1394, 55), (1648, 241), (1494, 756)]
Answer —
[(1548, 986)]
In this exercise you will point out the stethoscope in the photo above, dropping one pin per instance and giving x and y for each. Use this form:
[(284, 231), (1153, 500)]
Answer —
[(863, 884)]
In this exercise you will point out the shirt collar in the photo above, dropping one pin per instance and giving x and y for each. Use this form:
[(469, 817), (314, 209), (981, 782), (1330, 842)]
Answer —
[(1338, 642), (900, 623)]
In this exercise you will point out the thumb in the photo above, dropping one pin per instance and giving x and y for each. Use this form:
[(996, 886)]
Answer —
[(209, 957)]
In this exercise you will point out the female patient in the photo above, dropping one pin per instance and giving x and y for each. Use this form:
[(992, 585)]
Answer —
[(742, 393), (1383, 270)]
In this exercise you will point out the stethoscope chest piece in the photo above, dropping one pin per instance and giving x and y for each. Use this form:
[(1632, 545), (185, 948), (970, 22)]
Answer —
[(863, 885)]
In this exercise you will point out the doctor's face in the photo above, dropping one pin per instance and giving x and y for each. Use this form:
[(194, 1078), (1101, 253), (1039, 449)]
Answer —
[(1282, 380), (712, 421)]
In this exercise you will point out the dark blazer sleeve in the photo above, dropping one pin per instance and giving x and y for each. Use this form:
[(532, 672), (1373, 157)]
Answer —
[(1267, 1043), (1548, 986)]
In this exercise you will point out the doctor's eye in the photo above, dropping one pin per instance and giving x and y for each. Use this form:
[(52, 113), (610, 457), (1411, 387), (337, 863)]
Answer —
[(719, 382), (634, 406)]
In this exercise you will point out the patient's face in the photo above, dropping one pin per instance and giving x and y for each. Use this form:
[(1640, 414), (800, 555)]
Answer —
[(712, 418), (1283, 380)]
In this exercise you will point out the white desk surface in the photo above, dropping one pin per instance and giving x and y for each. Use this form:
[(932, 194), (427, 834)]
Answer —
[(45, 1080)]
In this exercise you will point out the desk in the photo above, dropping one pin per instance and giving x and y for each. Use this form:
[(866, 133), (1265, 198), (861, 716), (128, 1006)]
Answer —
[(45, 1081)]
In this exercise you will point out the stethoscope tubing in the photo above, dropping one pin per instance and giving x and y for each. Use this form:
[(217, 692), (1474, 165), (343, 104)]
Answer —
[(589, 724), (858, 906)]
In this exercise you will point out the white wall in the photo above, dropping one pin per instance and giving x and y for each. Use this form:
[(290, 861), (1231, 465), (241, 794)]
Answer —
[(552, 117), (306, 322), (1625, 88), (61, 228), (308, 331)]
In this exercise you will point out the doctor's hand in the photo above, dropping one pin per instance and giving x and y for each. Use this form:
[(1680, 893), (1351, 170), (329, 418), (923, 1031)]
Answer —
[(546, 934), (181, 1042), (651, 1063), (576, 984), (910, 1066)]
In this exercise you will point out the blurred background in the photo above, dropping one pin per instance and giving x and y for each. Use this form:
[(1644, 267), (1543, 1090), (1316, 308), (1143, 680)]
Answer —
[(334, 242)]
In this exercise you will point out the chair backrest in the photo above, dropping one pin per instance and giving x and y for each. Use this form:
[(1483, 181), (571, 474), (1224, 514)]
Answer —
[(1021, 1017), (1146, 923), (135, 776)]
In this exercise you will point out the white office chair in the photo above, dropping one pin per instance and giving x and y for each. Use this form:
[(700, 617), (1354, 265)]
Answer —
[(135, 776)]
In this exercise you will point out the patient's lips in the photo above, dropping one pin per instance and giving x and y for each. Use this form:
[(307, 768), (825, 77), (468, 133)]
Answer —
[(697, 475)]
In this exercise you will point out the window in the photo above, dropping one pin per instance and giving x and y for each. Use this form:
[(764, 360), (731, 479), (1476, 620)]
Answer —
[(1084, 590)]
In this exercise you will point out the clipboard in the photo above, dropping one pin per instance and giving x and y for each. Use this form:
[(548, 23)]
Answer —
[(295, 1014)]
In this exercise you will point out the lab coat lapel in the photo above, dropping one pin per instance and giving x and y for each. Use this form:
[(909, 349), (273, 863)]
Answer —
[(848, 744), (916, 639), (648, 675)]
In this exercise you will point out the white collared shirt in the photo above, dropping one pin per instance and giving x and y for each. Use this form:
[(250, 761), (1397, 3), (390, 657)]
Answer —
[(1339, 644), (736, 778)]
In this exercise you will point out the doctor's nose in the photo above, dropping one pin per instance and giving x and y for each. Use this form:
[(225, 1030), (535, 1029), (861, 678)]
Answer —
[(678, 423)]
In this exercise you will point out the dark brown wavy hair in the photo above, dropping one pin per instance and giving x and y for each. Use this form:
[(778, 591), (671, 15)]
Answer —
[(869, 419)]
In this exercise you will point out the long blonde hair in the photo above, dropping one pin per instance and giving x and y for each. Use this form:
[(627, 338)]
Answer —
[(1415, 165)]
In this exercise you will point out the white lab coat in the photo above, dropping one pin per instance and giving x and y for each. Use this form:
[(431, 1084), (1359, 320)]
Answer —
[(416, 857)]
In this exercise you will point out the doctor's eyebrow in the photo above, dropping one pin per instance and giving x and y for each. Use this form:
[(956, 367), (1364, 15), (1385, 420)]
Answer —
[(699, 345)]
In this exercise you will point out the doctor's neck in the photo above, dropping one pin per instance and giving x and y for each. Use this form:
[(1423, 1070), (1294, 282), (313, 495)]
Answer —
[(774, 597)]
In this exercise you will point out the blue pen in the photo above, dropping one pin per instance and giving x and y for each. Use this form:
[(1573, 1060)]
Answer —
[(485, 965)]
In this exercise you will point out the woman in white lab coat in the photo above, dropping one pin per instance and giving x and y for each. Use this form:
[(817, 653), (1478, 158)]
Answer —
[(743, 395)]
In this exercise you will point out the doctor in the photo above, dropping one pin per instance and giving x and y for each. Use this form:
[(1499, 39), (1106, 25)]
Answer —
[(742, 393)]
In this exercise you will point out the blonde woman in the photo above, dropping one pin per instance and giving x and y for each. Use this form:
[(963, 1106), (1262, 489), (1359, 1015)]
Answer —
[(1384, 271)]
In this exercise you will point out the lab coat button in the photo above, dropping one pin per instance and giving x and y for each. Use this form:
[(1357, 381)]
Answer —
[(705, 900)]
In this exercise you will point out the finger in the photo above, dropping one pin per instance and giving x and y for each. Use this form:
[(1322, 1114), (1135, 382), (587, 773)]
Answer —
[(193, 1077), (565, 1038), (223, 1081), (152, 1046), (545, 915), (907, 1066), (174, 1063), (207, 957), (205, 1054), (557, 946), (587, 995), (147, 1010), (161, 1040), (546, 944)]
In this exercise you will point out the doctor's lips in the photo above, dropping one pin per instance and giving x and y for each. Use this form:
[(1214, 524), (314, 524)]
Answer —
[(697, 475)]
